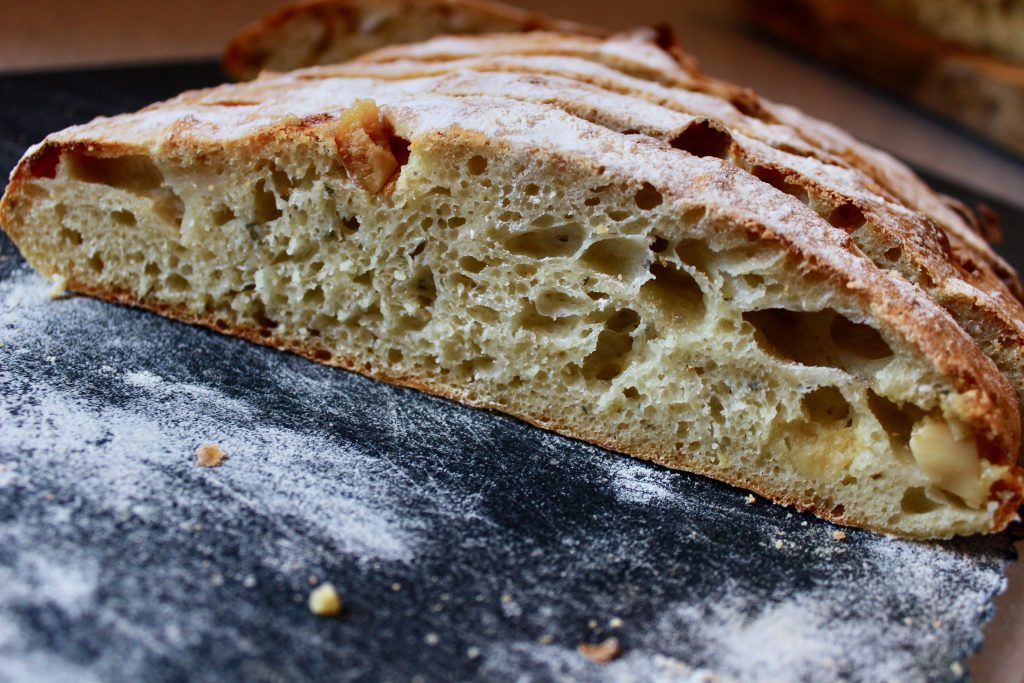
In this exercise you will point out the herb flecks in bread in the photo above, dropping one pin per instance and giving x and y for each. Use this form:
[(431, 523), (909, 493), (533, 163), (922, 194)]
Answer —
[(582, 233)]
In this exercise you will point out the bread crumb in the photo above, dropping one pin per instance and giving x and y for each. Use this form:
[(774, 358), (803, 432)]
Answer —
[(396, 586), (324, 600), (210, 455), (750, 500), (839, 535), (431, 639), (472, 652), (547, 639), (778, 545), (615, 622), (506, 598), (957, 668), (603, 652)]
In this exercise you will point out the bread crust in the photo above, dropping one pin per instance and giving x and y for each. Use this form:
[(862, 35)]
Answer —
[(246, 54)]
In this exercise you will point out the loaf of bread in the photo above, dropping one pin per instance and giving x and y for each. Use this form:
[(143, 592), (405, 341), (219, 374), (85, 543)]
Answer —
[(959, 58), (332, 31), (585, 233), (992, 26)]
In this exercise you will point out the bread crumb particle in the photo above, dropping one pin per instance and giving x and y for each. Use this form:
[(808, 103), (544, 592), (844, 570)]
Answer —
[(839, 535), (957, 668), (547, 639), (778, 545), (396, 586), (472, 652), (750, 500), (603, 652), (431, 639), (324, 600), (210, 455), (59, 288), (506, 598), (615, 622)]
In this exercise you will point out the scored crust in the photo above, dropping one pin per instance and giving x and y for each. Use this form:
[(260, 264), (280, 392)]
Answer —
[(625, 112), (331, 31)]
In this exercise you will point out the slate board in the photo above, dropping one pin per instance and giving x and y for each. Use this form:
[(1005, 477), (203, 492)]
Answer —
[(466, 545)]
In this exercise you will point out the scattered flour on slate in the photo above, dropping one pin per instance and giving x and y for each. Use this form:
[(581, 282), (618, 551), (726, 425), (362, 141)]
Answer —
[(147, 439)]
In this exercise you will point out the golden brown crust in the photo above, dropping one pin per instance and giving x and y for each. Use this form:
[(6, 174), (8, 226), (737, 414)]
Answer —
[(248, 52)]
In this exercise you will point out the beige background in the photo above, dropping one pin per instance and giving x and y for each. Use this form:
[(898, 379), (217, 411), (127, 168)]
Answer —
[(37, 34)]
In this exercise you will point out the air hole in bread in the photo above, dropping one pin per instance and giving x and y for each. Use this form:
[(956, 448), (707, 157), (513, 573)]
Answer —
[(916, 501), (893, 254), (532, 318), (674, 292), (557, 303), (313, 297), (258, 313), (858, 339), (44, 163), (624, 258), (135, 173), (125, 218), (222, 215), (282, 183), (703, 139), (897, 421), (176, 283), (847, 216), (625, 320), (659, 244), (95, 262), (71, 236), (471, 264), (611, 355), (806, 337), (826, 406), (559, 240), (776, 179), (168, 206), (264, 206), (647, 197), (423, 287), (476, 165)]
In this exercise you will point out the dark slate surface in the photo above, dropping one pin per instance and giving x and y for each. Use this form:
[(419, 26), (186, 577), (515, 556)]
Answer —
[(466, 545)]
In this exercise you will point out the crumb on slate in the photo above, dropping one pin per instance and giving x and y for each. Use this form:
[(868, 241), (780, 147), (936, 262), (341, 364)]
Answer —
[(839, 535), (210, 455), (603, 652), (750, 500), (324, 600)]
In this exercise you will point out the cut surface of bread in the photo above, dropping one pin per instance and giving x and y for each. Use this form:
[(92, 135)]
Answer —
[(583, 233), (332, 31)]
